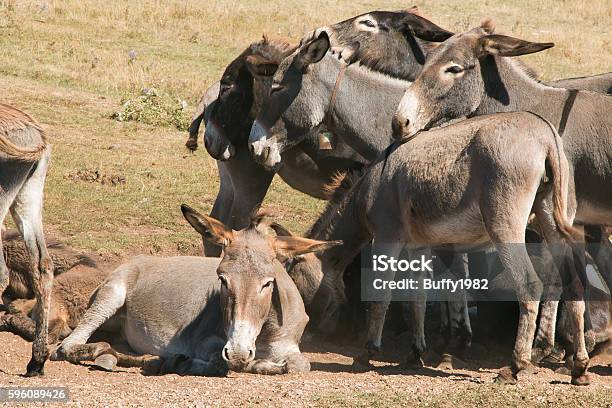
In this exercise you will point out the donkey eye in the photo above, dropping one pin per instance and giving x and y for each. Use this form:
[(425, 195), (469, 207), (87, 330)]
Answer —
[(454, 69), (368, 23)]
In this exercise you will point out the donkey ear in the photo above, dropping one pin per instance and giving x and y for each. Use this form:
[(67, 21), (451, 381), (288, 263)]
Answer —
[(211, 229), (280, 230), (504, 46), (424, 29), (314, 50), (260, 66), (294, 246)]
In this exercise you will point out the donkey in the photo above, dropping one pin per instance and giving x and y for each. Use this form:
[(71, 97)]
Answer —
[(24, 158), (330, 85), (468, 75), (76, 277), (454, 182), (241, 312), (308, 92), (229, 116)]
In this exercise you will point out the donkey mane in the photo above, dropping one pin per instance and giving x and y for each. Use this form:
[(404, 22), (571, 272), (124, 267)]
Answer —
[(13, 119), (274, 50), (339, 189)]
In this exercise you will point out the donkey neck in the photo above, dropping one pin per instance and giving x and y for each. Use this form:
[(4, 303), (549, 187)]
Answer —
[(341, 220), (363, 107), (508, 87)]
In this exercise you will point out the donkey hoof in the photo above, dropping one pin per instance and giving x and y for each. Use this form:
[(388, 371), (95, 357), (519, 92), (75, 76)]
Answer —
[(58, 355), (563, 371), (506, 376), (35, 369), (581, 380), (540, 353), (412, 363), (105, 362), (447, 362), (362, 363)]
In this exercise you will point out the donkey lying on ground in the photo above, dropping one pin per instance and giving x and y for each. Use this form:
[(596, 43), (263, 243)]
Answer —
[(76, 278), (468, 75), (24, 158), (243, 309)]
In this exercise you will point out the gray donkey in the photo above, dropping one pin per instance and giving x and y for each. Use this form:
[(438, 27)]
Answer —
[(471, 181), (469, 76), (241, 311), (24, 158), (229, 115)]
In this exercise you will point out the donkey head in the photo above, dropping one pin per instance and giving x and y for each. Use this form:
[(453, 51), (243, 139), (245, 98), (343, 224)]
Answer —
[(249, 273), (245, 82), (454, 79), (303, 86)]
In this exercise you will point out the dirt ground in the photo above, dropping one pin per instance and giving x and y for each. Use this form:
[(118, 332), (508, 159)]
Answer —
[(330, 383)]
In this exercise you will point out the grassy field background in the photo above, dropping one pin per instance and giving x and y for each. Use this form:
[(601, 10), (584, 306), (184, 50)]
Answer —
[(115, 187)]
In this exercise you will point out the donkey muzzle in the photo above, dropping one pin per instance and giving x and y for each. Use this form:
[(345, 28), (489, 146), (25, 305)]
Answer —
[(217, 145), (238, 358), (264, 149)]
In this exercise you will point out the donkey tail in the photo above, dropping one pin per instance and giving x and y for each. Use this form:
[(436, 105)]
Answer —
[(12, 150), (209, 97), (194, 128), (11, 120), (559, 169)]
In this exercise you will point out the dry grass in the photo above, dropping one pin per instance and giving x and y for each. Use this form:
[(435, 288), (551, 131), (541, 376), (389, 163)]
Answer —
[(71, 62)]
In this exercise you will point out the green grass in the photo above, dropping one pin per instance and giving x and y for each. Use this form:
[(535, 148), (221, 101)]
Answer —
[(68, 63)]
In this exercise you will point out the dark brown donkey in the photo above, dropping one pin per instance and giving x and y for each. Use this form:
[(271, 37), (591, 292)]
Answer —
[(24, 158), (468, 76)]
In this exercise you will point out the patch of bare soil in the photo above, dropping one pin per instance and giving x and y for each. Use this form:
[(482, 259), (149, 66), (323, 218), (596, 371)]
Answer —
[(332, 382)]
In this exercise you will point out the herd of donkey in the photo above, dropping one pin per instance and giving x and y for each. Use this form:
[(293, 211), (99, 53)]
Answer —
[(417, 136)]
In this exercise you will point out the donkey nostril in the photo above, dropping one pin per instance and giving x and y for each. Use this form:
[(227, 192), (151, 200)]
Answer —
[(225, 354), (407, 123), (251, 354)]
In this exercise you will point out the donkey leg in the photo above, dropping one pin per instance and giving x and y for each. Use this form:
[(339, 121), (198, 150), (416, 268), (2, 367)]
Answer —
[(266, 367), (545, 337), (297, 363), (515, 259), (416, 313), (571, 264), (506, 228), (6, 200), (459, 330), (251, 182), (27, 213), (222, 207), (108, 299), (19, 324), (207, 361), (377, 311)]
